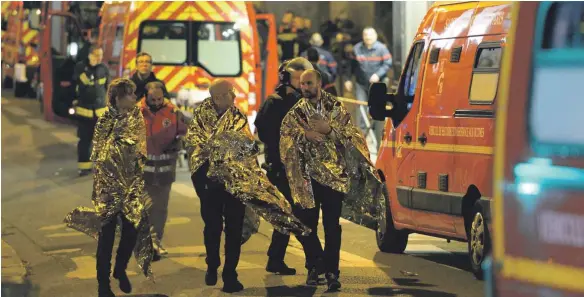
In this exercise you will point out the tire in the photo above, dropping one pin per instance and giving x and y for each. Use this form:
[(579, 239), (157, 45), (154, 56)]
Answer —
[(20, 89), (479, 240), (389, 239), (8, 83)]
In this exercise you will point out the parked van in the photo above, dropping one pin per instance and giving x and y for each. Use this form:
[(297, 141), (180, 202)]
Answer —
[(538, 243), (191, 43), (436, 154)]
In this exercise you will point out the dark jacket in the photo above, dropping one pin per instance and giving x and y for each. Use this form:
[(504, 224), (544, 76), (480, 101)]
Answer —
[(328, 84), (141, 85), (326, 60), (268, 123), (376, 60), (91, 83)]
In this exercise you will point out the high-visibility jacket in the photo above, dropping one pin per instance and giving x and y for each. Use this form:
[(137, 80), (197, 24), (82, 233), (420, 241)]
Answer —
[(92, 82), (162, 129)]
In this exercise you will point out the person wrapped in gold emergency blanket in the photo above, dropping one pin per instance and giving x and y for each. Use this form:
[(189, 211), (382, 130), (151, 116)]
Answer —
[(119, 152), (227, 178), (327, 162)]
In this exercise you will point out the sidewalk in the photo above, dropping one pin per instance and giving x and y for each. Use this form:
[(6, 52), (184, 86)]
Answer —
[(13, 273)]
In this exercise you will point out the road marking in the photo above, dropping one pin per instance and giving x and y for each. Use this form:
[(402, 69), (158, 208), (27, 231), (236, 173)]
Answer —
[(66, 234), (53, 227), (65, 137), (63, 251), (17, 111), (177, 221), (86, 268), (196, 259), (185, 190), (40, 124), (424, 249)]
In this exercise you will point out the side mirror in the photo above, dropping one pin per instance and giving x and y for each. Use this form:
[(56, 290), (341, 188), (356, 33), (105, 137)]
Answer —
[(34, 19), (378, 101)]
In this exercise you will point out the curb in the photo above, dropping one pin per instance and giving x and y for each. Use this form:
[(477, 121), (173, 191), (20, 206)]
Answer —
[(13, 270)]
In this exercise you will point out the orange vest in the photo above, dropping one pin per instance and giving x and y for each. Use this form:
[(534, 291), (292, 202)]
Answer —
[(162, 129)]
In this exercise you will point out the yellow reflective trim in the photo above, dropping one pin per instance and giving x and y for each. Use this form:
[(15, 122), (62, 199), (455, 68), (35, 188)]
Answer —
[(543, 273), (102, 81), (446, 148), (99, 112), (84, 79), (84, 165), (287, 36), (84, 112)]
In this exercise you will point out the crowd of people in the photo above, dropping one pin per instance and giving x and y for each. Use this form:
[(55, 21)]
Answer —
[(346, 61), (129, 134)]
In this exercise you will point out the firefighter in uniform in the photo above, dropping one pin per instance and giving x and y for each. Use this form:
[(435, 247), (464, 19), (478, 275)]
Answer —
[(268, 122), (164, 126), (92, 79)]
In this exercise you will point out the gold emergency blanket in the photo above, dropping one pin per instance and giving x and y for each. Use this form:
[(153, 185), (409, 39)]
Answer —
[(118, 156), (227, 143), (340, 162)]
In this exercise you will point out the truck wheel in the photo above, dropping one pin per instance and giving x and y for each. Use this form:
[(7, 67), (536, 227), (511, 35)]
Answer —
[(389, 239), (479, 240), (20, 89)]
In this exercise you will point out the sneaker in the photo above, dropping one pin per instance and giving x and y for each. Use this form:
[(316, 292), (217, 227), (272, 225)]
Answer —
[(280, 268), (211, 277), (312, 278), (104, 291), (161, 251), (332, 282), (84, 172), (124, 281)]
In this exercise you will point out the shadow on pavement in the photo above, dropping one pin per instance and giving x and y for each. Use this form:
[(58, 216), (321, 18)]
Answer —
[(277, 291), (410, 282), (407, 292), (10, 289), (454, 259)]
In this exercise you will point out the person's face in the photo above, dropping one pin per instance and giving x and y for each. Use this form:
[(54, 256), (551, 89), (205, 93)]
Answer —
[(369, 37), (295, 78), (125, 103), (310, 85), (144, 65), (287, 18), (155, 97), (95, 57), (223, 98)]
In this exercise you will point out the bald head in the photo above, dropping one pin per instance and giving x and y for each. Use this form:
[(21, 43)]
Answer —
[(222, 94), (310, 82)]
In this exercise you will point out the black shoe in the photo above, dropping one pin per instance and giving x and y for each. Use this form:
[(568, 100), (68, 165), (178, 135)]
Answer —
[(211, 277), (156, 257), (280, 268), (333, 282), (123, 280), (232, 285), (84, 172), (105, 291), (312, 279)]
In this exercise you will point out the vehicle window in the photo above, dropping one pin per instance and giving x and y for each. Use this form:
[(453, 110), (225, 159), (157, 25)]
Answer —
[(218, 48), (555, 112), (118, 41), (412, 71), (564, 27), (263, 32), (485, 75), (165, 41)]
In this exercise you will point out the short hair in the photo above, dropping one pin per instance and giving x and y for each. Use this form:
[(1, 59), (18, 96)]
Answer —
[(154, 85), (316, 73), (312, 55), (299, 64), (93, 47), (120, 87), (370, 28), (142, 54)]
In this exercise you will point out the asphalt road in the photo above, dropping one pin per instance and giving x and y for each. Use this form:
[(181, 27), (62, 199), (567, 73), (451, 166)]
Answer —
[(40, 185)]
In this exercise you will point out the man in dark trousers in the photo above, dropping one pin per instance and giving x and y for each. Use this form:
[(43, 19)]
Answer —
[(268, 122), (144, 75), (91, 78)]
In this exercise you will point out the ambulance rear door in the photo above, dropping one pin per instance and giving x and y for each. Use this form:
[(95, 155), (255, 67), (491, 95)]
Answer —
[(268, 44)]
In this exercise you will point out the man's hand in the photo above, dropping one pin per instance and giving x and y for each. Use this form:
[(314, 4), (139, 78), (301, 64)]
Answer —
[(314, 136), (374, 78), (349, 85), (321, 126)]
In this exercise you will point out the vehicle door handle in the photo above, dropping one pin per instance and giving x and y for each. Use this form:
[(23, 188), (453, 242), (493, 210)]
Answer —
[(408, 137), (423, 139)]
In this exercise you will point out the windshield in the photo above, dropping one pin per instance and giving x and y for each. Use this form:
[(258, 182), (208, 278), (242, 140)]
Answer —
[(214, 46)]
